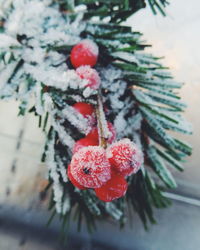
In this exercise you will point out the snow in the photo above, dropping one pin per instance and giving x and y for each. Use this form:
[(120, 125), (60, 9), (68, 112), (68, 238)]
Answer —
[(65, 138), (112, 209), (90, 46), (91, 75), (7, 41), (5, 74), (66, 205), (61, 168), (52, 165), (38, 96), (48, 103), (76, 119), (87, 92), (55, 77), (126, 56), (111, 80), (120, 123)]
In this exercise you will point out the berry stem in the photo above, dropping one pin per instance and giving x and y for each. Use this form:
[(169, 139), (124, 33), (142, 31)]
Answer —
[(101, 121)]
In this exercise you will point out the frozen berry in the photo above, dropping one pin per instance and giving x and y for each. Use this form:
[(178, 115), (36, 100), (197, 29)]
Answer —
[(84, 53), (73, 181), (94, 133), (125, 157), (90, 167), (113, 189), (91, 75), (84, 108), (84, 142)]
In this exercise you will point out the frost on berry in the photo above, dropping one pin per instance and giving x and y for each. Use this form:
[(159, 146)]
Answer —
[(84, 108), (85, 142), (113, 189), (112, 133), (125, 157), (87, 111), (84, 53), (73, 181), (90, 46), (90, 167), (89, 74)]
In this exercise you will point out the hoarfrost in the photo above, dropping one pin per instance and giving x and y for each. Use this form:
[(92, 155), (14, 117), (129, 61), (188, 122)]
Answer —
[(62, 169), (6, 41), (75, 118), (65, 138), (52, 165)]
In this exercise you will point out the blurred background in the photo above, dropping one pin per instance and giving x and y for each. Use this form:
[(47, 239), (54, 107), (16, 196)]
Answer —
[(23, 213)]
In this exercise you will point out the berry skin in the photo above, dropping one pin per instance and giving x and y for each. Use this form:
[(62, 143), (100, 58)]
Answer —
[(84, 108), (73, 181), (90, 74), (84, 142), (125, 157), (115, 188), (94, 133), (84, 53), (90, 167)]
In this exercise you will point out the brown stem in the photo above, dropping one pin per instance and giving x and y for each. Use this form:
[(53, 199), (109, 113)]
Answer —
[(102, 137)]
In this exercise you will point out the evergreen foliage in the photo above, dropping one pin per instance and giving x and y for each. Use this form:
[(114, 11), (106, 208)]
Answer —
[(137, 89)]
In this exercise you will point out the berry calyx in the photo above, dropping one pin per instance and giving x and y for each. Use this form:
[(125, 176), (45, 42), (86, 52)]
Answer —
[(91, 75), (84, 53), (73, 181), (84, 108), (84, 142), (90, 167), (94, 133), (113, 189), (125, 157)]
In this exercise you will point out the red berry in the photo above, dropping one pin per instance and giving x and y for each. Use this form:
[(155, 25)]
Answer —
[(125, 157), (84, 142), (94, 133), (91, 75), (84, 108), (84, 53), (90, 167), (73, 181), (113, 189)]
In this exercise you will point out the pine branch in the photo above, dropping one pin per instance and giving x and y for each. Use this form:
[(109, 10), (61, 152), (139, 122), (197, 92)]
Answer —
[(138, 91)]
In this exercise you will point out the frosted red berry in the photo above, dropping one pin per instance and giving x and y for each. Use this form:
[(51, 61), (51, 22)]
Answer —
[(84, 53), (90, 167), (73, 181), (125, 157), (89, 74), (113, 189), (94, 133), (84, 142), (84, 108)]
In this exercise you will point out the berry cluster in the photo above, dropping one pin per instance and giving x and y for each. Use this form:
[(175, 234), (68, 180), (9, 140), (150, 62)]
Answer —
[(105, 170), (93, 166)]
